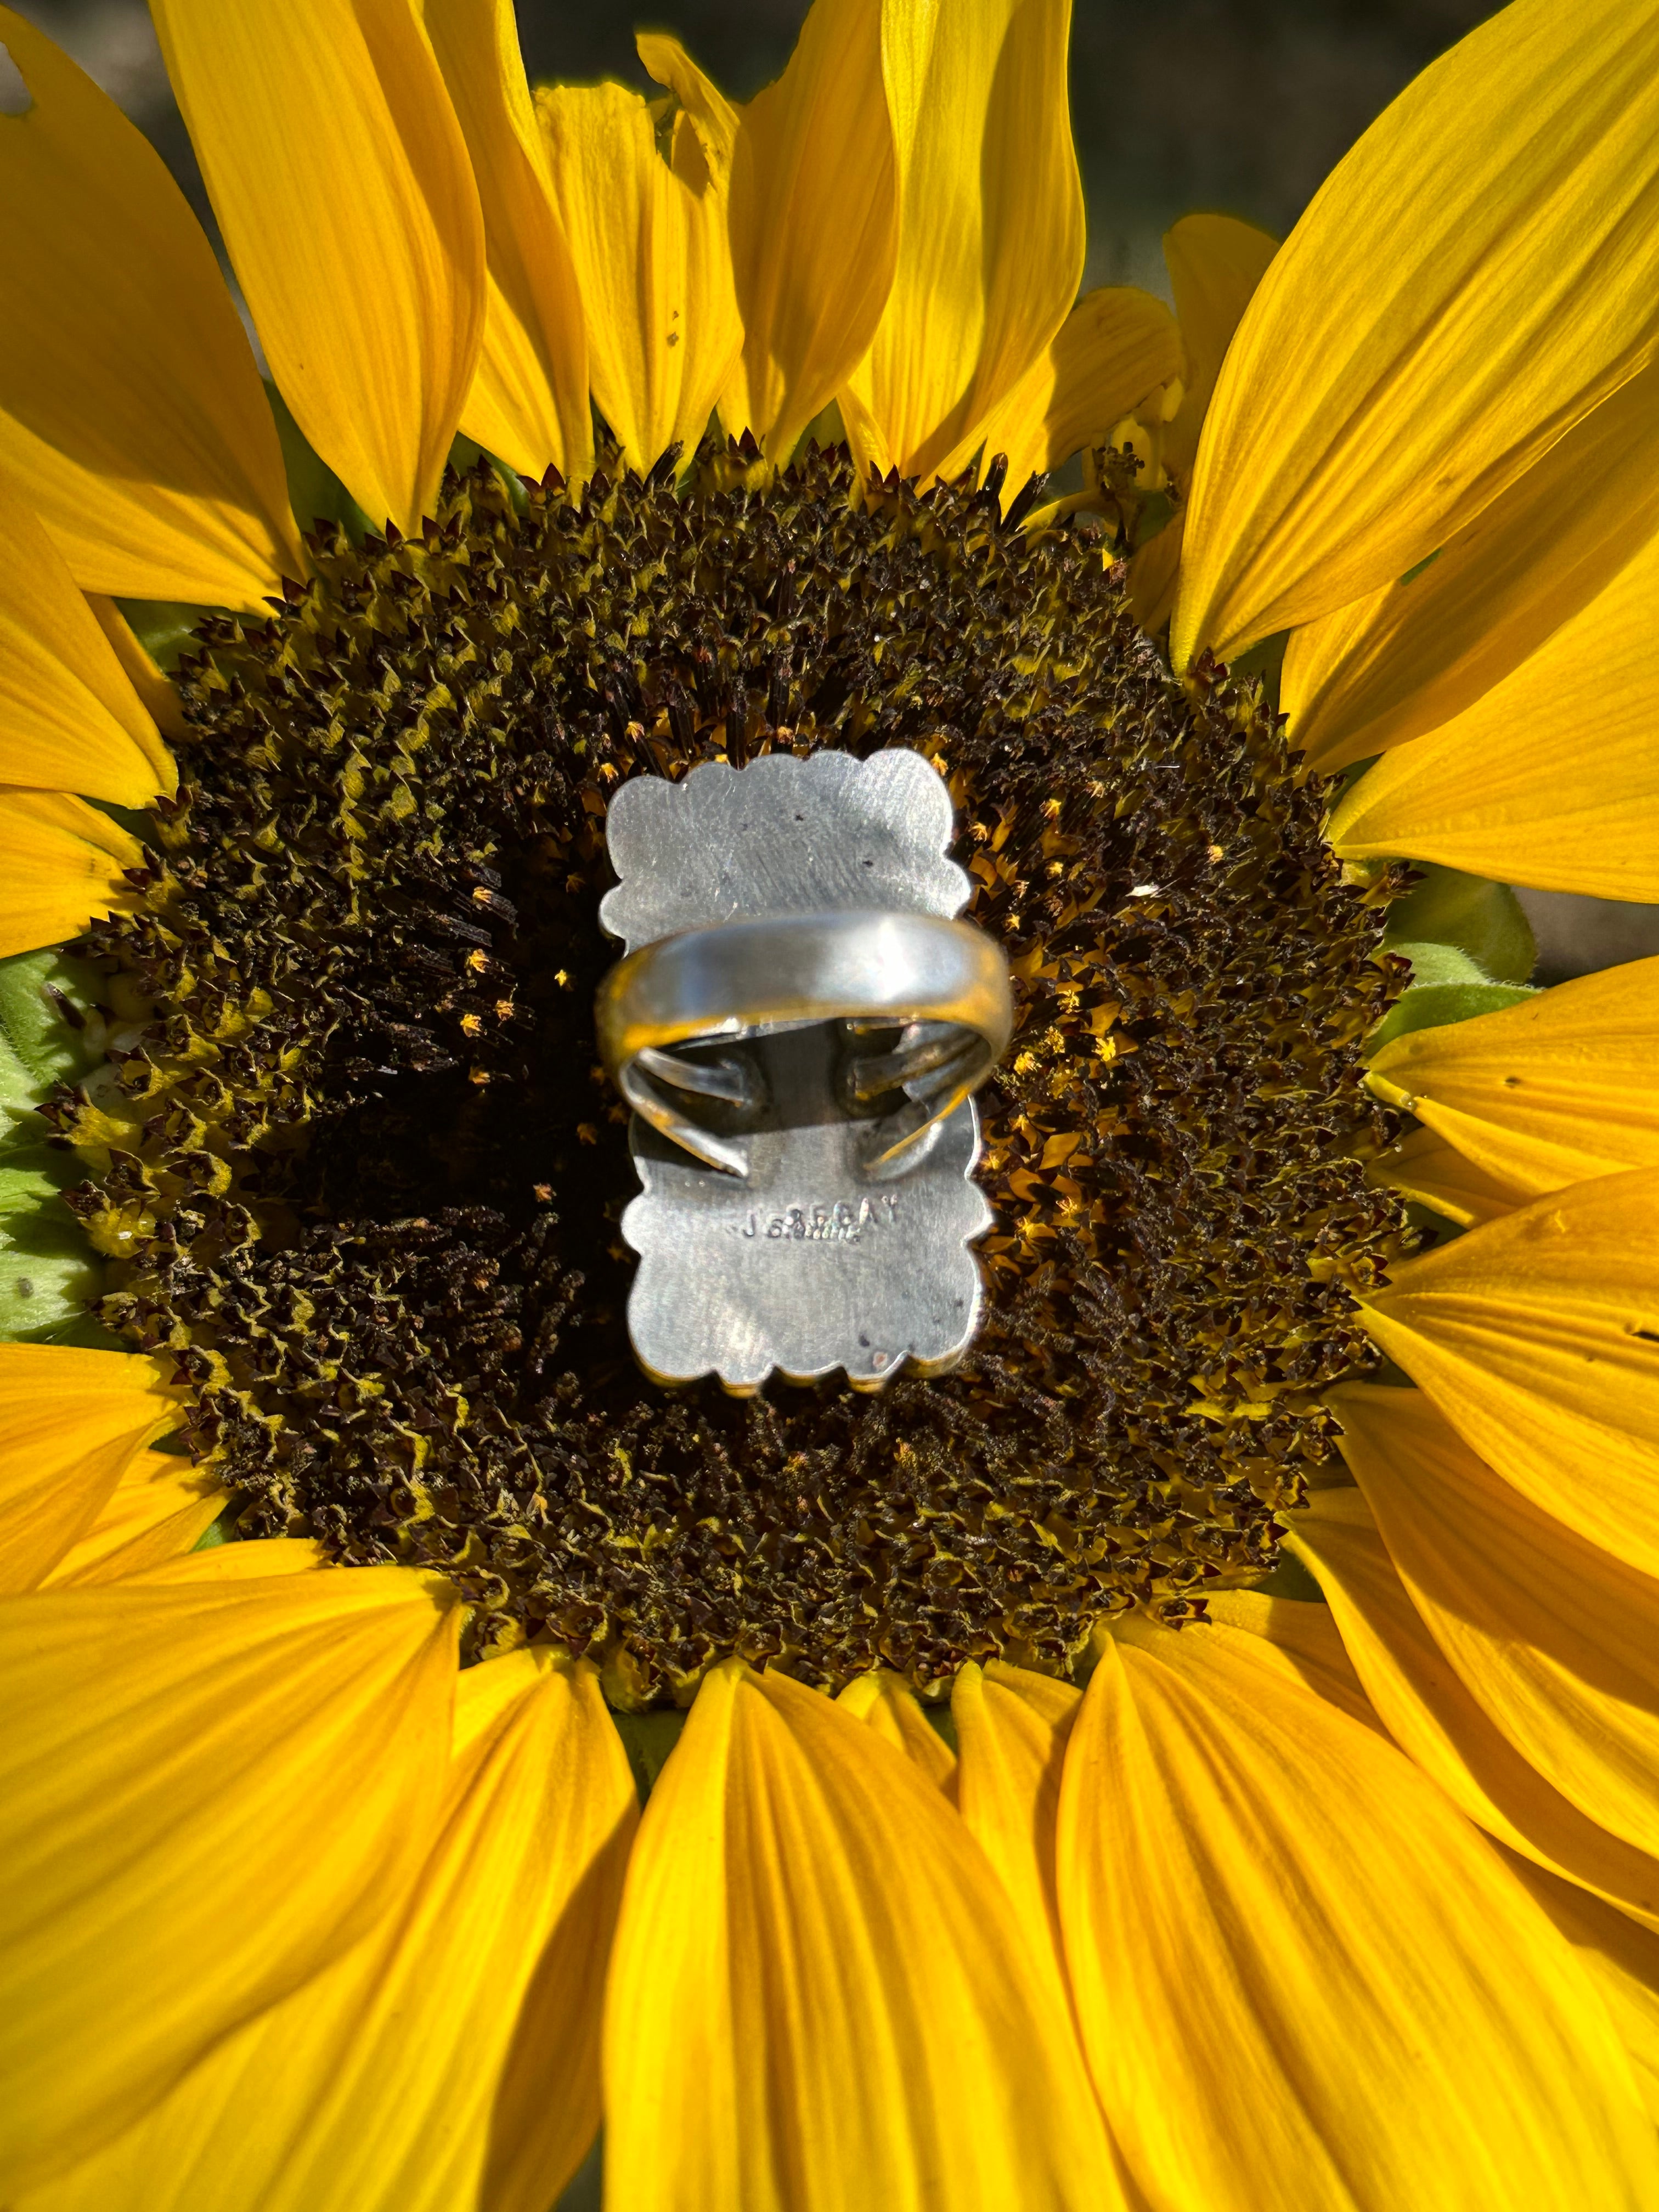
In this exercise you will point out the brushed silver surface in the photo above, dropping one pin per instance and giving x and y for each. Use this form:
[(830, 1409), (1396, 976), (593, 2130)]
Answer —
[(799, 1065)]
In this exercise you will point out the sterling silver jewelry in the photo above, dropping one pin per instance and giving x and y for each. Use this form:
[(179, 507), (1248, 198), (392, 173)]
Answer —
[(799, 1025)]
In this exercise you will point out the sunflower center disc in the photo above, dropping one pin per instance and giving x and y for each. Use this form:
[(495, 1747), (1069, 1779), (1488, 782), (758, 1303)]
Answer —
[(366, 1176)]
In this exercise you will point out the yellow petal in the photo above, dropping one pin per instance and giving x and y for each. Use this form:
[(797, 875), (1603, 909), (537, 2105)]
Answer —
[(1300, 1638), (652, 258), (1554, 1638), (1154, 572), (1279, 1932), (1537, 1337), (1557, 1089), (376, 2088), (812, 213), (1431, 1714), (156, 691), (990, 251), (1478, 273), (157, 1510), (528, 402), (1416, 655), (713, 116), (61, 863), (885, 1702), (71, 1424), (1115, 347), (1012, 1727), (1552, 778), (132, 412), (818, 1996), (341, 181), (1426, 1167), (1621, 1960), (210, 1787), (259, 1560), (1215, 262), (69, 720)]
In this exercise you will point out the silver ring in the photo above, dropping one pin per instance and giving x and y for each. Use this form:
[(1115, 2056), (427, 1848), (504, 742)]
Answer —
[(943, 985)]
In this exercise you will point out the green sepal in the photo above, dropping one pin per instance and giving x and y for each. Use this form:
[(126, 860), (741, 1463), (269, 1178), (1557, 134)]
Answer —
[(38, 1046), (221, 1531), (1431, 1005), (584, 2190), (47, 1273), (314, 492), (648, 1738), (1482, 919), (1427, 561), (1290, 1578), (165, 628)]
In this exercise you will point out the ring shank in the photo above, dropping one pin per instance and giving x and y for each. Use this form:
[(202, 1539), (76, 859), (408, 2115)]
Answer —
[(874, 966)]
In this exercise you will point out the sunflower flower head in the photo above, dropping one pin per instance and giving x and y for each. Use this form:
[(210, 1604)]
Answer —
[(1005, 1841)]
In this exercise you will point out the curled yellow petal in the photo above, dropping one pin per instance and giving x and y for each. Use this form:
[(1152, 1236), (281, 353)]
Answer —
[(1537, 1336), (157, 1512), (648, 235), (1422, 650), (529, 399), (211, 1786), (71, 1424), (61, 862), (157, 691), (804, 1912), (132, 412), (1425, 1167), (1552, 777), (1277, 1932), (1555, 1090), (341, 181), (1116, 346), (812, 213), (1429, 1711), (1215, 262), (885, 1702), (990, 251), (1476, 275), (69, 720), (378, 2086)]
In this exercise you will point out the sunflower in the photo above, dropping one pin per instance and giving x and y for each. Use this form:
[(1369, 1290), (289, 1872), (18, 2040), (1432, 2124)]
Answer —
[(1204, 1751)]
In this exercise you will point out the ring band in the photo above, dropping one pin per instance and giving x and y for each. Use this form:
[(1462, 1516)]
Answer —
[(943, 983)]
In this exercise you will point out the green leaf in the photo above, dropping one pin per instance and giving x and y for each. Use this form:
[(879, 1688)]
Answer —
[(1430, 1005), (37, 1046), (1485, 920)]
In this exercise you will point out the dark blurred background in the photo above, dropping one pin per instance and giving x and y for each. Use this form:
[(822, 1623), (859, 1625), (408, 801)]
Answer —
[(1239, 107)]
